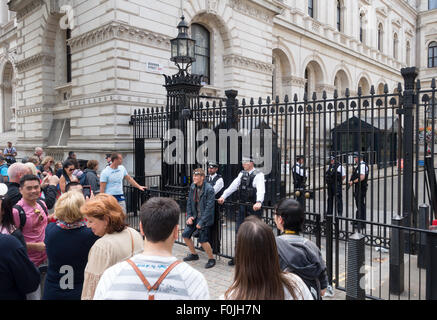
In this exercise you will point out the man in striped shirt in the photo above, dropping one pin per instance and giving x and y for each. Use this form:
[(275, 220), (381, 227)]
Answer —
[(155, 273)]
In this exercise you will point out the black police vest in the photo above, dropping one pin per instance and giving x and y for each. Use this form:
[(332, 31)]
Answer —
[(213, 182), (332, 175), (356, 175), (246, 189), (298, 180)]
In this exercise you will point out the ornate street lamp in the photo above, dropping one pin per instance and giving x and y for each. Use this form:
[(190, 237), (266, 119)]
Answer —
[(182, 48)]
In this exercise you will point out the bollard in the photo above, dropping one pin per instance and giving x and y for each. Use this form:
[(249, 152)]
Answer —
[(431, 265), (397, 248), (355, 272), (423, 225)]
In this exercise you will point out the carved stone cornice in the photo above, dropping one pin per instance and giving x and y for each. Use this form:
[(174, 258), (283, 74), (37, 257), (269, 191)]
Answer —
[(382, 11), (33, 110), (297, 81), (39, 59), (248, 8), (233, 60), (118, 30), (24, 7)]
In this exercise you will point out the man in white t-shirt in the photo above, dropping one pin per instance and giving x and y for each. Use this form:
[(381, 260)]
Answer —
[(111, 179), (154, 274)]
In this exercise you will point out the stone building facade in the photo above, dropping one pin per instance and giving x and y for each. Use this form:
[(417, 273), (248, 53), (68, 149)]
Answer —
[(72, 84)]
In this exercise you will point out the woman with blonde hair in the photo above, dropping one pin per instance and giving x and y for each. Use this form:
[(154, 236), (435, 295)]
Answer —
[(257, 273), (68, 242), (118, 242), (46, 166)]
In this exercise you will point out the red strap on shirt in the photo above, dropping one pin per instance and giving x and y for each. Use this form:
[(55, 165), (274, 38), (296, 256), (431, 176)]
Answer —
[(158, 282)]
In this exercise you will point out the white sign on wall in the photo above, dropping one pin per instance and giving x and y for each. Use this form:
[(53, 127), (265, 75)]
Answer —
[(155, 67)]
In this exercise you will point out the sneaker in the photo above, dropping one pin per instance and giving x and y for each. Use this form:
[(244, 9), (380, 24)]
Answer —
[(191, 257), (231, 262), (329, 292), (210, 263)]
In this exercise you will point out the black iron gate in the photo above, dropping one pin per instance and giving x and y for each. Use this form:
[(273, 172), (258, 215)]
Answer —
[(394, 132)]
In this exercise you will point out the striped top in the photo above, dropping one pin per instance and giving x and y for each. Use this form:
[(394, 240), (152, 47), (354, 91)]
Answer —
[(120, 282)]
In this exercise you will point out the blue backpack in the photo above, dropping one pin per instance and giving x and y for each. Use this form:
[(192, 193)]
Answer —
[(83, 180)]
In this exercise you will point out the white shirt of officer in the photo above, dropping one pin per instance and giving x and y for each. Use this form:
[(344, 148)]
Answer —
[(341, 170), (219, 184), (258, 183), (300, 170), (363, 168)]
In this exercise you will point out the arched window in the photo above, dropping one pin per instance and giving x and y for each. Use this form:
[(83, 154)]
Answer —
[(202, 52), (307, 82), (432, 4), (67, 37), (432, 55), (339, 15), (362, 27), (380, 35), (408, 54), (395, 45), (311, 8)]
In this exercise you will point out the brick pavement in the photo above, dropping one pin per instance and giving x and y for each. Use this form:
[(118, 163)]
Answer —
[(220, 277)]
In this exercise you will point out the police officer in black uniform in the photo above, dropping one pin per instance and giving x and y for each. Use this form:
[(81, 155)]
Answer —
[(216, 181), (334, 178), (299, 177), (251, 186), (359, 180)]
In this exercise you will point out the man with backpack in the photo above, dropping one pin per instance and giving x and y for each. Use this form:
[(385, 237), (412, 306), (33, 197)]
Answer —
[(297, 254), (31, 217), (89, 176)]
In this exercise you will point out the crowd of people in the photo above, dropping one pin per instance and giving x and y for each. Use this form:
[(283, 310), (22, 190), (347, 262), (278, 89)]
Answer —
[(58, 242)]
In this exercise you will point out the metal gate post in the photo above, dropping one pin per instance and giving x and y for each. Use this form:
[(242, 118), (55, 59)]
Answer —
[(421, 243), (355, 272), (397, 243), (431, 266), (329, 247), (231, 123), (409, 102)]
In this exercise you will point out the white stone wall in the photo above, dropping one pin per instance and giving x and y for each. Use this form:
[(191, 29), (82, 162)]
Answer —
[(114, 40)]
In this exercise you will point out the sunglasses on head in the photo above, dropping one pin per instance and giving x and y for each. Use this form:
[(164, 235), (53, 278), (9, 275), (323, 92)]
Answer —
[(197, 173)]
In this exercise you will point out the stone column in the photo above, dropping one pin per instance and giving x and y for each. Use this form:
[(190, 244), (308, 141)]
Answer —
[(3, 12)]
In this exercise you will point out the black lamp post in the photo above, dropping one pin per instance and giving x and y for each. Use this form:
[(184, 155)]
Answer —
[(182, 48), (182, 100)]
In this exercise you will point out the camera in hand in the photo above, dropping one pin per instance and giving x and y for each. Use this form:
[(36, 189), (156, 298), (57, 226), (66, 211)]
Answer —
[(86, 191)]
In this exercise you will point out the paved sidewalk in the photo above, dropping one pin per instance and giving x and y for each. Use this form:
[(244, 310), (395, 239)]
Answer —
[(220, 277)]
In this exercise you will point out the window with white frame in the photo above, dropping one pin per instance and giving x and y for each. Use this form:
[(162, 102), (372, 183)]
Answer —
[(395, 45), (202, 52), (311, 8), (432, 55), (380, 37)]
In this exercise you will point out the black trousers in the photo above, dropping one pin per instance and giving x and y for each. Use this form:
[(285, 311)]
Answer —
[(244, 212), (335, 192), (215, 230), (360, 202)]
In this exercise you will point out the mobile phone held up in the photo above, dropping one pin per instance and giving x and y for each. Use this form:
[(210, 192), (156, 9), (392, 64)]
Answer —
[(86, 191)]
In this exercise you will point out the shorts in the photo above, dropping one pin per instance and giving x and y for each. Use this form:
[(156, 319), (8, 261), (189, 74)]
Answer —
[(204, 232)]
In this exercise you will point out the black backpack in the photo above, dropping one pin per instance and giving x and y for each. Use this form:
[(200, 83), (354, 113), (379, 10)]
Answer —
[(22, 214), (312, 283)]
